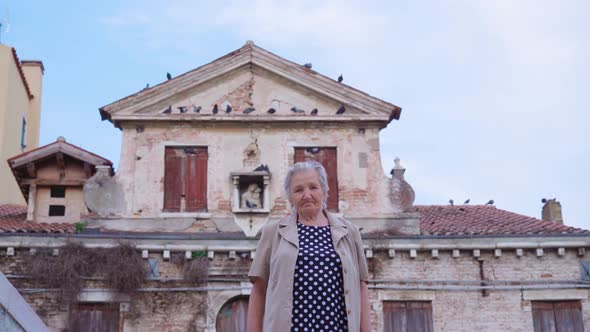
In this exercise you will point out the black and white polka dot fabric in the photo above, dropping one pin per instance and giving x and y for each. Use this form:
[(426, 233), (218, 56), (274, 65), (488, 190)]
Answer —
[(318, 297)]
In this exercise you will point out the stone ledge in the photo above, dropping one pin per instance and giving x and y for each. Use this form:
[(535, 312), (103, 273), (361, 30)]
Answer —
[(555, 294)]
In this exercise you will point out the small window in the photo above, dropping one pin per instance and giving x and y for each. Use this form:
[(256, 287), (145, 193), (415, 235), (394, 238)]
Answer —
[(407, 316), (23, 135), (57, 210), (58, 192)]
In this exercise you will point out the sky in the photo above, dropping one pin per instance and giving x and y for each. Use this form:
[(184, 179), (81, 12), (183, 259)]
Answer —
[(494, 94)]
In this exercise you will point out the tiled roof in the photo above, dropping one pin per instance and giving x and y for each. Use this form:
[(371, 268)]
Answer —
[(13, 220), (484, 220), (441, 220)]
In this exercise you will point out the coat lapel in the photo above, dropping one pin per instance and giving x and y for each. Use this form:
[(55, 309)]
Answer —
[(288, 229), (337, 228)]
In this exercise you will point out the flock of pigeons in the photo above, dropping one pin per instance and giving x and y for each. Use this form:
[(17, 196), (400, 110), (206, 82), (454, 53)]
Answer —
[(227, 108)]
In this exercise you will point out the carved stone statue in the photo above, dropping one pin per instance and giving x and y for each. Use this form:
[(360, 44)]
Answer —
[(251, 197)]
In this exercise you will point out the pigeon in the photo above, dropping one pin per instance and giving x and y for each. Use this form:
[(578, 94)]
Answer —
[(314, 111), (228, 108), (297, 110), (147, 86), (451, 202), (215, 110), (467, 201), (307, 65), (168, 76), (250, 205), (341, 110), (271, 111), (182, 109), (249, 110), (197, 109), (262, 168), (340, 78), (490, 202), (168, 110)]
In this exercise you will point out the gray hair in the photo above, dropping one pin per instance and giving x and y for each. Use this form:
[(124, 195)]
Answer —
[(307, 166)]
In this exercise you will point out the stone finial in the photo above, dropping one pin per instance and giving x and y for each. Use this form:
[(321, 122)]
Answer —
[(249, 43), (402, 195), (61, 139)]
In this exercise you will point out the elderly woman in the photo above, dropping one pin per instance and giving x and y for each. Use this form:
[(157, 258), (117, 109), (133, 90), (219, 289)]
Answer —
[(310, 272)]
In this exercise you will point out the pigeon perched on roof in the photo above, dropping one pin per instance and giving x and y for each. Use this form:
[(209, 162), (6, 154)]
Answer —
[(314, 111), (197, 109), (168, 110), (340, 78), (182, 109), (490, 202), (226, 106), (307, 65), (297, 110), (467, 201), (215, 110), (341, 110), (271, 111), (168, 76), (451, 202), (249, 110)]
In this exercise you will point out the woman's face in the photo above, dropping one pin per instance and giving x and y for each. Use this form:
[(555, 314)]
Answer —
[(307, 195)]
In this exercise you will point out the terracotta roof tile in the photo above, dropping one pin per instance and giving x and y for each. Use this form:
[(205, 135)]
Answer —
[(13, 220), (484, 220)]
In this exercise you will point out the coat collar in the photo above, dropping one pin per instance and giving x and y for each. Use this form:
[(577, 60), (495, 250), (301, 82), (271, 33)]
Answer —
[(288, 228)]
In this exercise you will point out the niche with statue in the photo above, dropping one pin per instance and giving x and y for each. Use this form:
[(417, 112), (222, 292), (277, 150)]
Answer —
[(250, 192)]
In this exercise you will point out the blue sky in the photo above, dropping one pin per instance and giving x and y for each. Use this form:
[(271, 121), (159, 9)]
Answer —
[(494, 93)]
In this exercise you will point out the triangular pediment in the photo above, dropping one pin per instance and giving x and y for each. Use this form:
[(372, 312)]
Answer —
[(257, 86)]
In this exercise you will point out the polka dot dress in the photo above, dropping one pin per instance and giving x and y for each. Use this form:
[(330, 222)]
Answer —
[(318, 297)]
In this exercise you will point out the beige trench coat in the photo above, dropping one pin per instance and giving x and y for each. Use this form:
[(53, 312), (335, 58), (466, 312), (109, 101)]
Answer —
[(275, 261)]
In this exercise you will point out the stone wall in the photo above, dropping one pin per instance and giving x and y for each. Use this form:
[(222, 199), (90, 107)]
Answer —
[(441, 280)]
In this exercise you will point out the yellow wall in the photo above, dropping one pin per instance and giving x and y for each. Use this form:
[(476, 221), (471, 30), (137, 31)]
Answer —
[(14, 105), (34, 73)]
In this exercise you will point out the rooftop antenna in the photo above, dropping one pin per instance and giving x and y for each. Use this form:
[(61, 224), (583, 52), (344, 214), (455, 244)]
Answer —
[(5, 24)]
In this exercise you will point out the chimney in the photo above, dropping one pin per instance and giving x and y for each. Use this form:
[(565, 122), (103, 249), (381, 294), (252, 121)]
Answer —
[(552, 211)]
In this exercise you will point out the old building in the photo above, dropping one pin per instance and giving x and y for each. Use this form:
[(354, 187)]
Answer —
[(203, 159), (20, 114)]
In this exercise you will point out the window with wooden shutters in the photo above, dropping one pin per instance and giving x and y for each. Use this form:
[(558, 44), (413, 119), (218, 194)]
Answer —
[(556, 316), (407, 316), (103, 317), (185, 179), (327, 157)]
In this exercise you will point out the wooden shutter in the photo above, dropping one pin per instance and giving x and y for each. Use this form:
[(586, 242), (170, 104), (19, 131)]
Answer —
[(94, 317), (232, 316), (196, 179), (407, 316), (557, 316), (173, 179), (568, 316), (328, 158)]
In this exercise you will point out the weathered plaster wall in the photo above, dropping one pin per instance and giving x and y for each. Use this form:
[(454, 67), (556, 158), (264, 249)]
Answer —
[(74, 203), (142, 164)]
